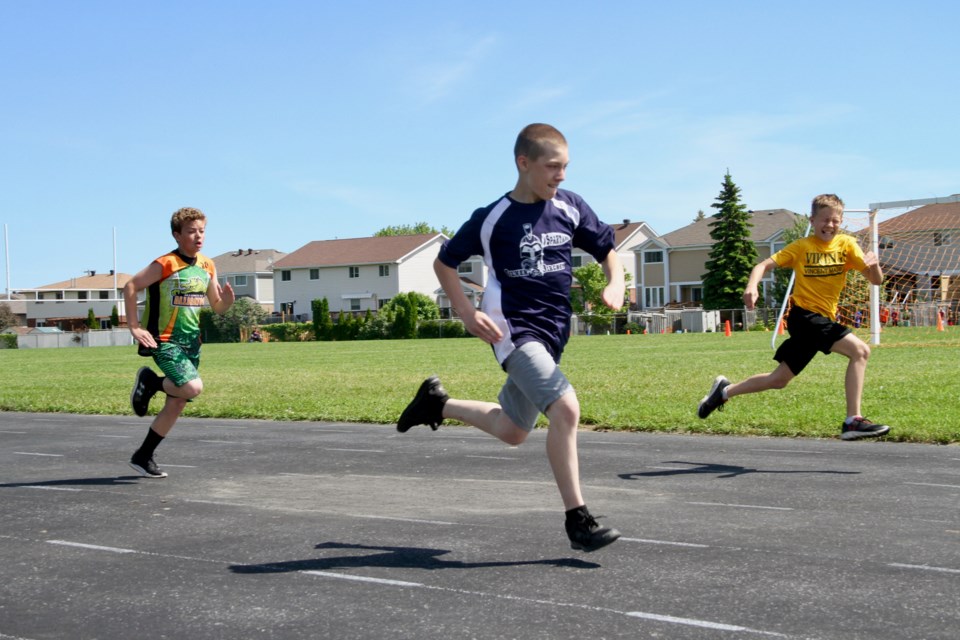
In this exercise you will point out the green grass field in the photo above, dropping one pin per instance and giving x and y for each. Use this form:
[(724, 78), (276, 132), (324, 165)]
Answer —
[(643, 383)]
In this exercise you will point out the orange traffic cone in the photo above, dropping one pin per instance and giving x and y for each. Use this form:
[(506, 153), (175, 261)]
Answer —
[(726, 328), (939, 322)]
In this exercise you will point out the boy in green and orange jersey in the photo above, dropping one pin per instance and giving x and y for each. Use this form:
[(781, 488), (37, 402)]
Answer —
[(178, 285)]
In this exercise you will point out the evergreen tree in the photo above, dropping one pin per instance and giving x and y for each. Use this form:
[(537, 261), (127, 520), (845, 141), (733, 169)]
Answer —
[(91, 319), (733, 255), (114, 317), (700, 216), (322, 324)]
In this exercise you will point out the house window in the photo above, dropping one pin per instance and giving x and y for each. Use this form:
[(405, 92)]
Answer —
[(354, 304), (354, 272), (82, 295), (696, 294), (652, 257), (314, 274), (465, 268), (240, 281), (577, 261), (653, 297), (941, 239), (285, 275), (381, 302), (384, 270), (59, 295), (103, 295)]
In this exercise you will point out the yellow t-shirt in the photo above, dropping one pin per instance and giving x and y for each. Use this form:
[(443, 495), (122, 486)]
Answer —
[(821, 269)]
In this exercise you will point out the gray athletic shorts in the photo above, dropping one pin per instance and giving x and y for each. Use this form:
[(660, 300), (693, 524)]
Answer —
[(534, 382)]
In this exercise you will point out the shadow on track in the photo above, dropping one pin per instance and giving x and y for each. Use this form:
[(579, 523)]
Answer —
[(722, 471)]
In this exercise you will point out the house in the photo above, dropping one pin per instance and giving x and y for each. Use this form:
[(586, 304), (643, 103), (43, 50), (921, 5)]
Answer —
[(250, 273), (670, 267), (627, 236), (355, 274), (67, 304)]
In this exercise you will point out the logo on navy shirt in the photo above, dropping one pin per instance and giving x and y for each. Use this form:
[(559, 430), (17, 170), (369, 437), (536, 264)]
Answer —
[(531, 253)]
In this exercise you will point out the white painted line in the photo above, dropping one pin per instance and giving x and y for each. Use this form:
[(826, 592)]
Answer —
[(923, 567), (49, 420), (103, 436), (343, 576), (356, 450), (225, 442), (700, 623), (492, 457), (46, 455), (806, 452), (37, 486), (414, 520), (15, 433), (667, 542), (3, 636), (740, 506), (94, 547), (180, 466), (931, 484)]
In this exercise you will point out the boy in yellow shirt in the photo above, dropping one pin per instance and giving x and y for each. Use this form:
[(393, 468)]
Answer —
[(820, 261)]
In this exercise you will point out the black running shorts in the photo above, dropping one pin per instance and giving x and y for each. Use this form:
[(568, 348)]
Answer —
[(809, 332)]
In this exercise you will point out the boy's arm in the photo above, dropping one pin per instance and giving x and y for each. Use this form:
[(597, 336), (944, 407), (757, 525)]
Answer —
[(750, 293), (477, 322), (873, 273), (613, 293), (150, 274), (221, 298)]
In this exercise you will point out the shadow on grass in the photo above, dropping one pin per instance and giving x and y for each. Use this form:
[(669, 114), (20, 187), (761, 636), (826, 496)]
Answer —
[(395, 558), (721, 470), (76, 482)]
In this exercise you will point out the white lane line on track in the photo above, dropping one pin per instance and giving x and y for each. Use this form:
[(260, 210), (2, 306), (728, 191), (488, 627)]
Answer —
[(717, 626), (923, 567), (356, 450), (740, 506), (667, 543), (931, 484), (45, 455), (395, 519), (14, 433), (807, 452), (37, 486), (225, 442), (105, 436), (492, 457)]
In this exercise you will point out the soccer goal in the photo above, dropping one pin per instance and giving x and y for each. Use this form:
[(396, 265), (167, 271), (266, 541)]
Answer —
[(918, 243)]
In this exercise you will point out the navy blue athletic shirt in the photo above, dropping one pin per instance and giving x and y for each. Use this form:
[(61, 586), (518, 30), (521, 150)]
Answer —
[(527, 249)]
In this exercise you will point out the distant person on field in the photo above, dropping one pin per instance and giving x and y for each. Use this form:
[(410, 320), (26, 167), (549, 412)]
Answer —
[(820, 262), (178, 285), (526, 238)]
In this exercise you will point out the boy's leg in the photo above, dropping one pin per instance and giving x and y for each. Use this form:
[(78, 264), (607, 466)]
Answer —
[(489, 417), (776, 379), (564, 416), (856, 426)]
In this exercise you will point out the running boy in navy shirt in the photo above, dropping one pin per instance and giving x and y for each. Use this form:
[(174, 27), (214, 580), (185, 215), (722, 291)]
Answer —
[(526, 238)]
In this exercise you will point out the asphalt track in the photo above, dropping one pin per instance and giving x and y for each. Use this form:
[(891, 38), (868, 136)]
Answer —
[(320, 530)]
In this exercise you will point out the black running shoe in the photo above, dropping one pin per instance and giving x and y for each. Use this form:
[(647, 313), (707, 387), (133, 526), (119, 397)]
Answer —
[(714, 399), (584, 532), (146, 467), (426, 407), (144, 387), (862, 428)]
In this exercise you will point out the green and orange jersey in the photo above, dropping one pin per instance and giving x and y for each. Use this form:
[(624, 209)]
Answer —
[(172, 311), (821, 269)]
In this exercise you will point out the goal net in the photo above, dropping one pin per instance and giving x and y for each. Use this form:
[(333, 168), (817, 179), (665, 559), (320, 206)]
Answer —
[(918, 244)]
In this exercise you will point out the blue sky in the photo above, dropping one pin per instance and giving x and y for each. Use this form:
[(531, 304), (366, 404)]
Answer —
[(290, 121)]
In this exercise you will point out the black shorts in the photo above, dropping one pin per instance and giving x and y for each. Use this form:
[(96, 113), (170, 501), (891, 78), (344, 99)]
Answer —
[(809, 332)]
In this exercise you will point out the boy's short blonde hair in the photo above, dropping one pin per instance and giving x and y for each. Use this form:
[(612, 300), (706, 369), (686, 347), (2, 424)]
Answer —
[(534, 138), (826, 201), (184, 215)]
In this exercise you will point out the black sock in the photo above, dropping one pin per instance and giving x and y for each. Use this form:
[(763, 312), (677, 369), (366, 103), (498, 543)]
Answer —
[(150, 444), (577, 512)]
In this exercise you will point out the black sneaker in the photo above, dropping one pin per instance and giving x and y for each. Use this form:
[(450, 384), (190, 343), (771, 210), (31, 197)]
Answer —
[(584, 532), (714, 399), (862, 428), (144, 388), (426, 407), (146, 467)]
